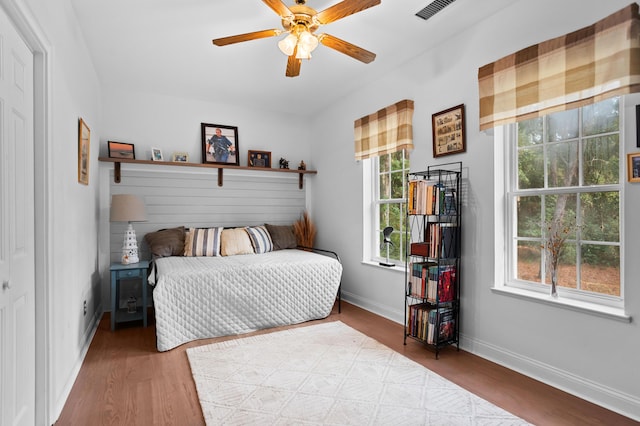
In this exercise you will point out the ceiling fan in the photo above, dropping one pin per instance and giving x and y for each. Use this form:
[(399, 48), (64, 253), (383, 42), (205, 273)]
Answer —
[(301, 22)]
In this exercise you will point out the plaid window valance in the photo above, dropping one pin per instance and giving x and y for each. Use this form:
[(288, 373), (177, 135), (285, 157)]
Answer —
[(586, 66), (386, 131)]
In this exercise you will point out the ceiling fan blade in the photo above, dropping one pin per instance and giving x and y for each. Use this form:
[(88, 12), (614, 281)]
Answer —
[(246, 37), (279, 7), (344, 8), (293, 65), (347, 48)]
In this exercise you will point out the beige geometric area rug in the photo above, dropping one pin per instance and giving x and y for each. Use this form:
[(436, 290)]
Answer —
[(328, 374)]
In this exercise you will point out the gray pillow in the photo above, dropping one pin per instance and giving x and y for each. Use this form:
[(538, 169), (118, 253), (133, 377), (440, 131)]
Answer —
[(282, 236), (166, 242)]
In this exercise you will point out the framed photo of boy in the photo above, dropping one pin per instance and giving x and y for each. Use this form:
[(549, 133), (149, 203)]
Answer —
[(448, 131), (219, 144), (259, 159)]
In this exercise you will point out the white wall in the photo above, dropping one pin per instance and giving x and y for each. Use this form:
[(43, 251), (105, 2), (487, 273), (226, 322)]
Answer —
[(590, 356)]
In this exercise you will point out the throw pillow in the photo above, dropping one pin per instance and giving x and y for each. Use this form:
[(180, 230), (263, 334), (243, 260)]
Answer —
[(202, 242), (282, 236), (235, 241), (166, 242), (260, 239)]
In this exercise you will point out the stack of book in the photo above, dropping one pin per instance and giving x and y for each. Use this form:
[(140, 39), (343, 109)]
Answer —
[(433, 325), (443, 240), (432, 282), (428, 197)]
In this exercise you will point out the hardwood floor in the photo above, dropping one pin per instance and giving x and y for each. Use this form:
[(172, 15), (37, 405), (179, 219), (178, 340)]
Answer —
[(125, 381)]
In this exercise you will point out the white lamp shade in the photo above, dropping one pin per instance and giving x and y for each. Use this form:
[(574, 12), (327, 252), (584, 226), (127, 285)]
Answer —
[(127, 208)]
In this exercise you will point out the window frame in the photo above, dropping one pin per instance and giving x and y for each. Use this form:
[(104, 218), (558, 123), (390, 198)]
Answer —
[(372, 203), (507, 138)]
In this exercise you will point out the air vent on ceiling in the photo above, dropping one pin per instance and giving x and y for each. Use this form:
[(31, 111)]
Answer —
[(433, 8)]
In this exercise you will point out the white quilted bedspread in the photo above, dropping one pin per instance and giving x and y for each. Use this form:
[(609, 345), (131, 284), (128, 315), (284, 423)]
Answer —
[(202, 297)]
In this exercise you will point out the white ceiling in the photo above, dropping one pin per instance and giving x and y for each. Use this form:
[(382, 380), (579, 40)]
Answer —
[(164, 46)]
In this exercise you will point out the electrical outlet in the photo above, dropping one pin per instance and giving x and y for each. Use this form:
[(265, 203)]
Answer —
[(84, 308)]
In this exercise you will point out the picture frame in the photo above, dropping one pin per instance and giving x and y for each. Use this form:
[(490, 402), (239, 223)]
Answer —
[(448, 131), (121, 150), (638, 126), (260, 159), (84, 147), (156, 154), (633, 167), (219, 144), (180, 157)]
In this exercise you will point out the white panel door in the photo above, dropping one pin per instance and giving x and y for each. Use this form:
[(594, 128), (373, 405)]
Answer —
[(17, 263)]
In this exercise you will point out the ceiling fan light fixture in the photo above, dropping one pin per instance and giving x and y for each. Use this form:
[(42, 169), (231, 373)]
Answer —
[(288, 44), (303, 53), (307, 41)]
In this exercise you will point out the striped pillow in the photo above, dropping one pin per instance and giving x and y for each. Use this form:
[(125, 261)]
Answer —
[(202, 242), (260, 239)]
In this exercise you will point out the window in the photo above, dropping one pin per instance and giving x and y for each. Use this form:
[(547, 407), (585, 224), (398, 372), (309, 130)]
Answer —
[(387, 204), (564, 202)]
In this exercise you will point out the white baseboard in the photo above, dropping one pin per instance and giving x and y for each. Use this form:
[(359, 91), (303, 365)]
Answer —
[(611, 399), (371, 306)]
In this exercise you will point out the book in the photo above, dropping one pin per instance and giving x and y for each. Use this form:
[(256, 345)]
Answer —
[(448, 244), (446, 325)]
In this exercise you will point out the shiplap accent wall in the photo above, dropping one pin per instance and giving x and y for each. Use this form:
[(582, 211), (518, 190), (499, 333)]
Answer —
[(192, 197)]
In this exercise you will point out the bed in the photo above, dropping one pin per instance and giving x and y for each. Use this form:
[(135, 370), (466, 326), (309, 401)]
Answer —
[(209, 296)]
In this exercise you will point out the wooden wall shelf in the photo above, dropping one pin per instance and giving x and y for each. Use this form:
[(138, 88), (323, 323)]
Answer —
[(118, 161)]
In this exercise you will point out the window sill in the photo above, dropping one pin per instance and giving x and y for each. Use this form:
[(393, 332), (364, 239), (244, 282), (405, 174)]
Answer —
[(398, 267), (575, 305)]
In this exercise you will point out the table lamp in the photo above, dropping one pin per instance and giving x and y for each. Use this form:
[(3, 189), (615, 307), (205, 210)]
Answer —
[(128, 208)]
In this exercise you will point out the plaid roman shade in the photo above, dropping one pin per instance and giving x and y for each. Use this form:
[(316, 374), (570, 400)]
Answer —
[(386, 131), (586, 66)]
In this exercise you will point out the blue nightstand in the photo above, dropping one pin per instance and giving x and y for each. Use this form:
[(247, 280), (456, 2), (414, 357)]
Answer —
[(118, 272)]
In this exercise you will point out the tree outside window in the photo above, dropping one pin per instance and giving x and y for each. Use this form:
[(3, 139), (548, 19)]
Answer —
[(390, 203), (566, 194)]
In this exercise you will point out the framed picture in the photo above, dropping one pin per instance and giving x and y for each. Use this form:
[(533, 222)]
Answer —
[(84, 145), (638, 126), (633, 167), (121, 150), (156, 154), (259, 159), (219, 144), (448, 131), (181, 157)]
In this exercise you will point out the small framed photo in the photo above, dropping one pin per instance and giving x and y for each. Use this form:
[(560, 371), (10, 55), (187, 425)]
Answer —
[(84, 146), (633, 167), (181, 157), (121, 150), (156, 154), (259, 159), (219, 144), (448, 131)]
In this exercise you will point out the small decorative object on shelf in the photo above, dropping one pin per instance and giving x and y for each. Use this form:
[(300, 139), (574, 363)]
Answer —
[(156, 154), (181, 157), (259, 159), (432, 268), (302, 166), (284, 163)]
